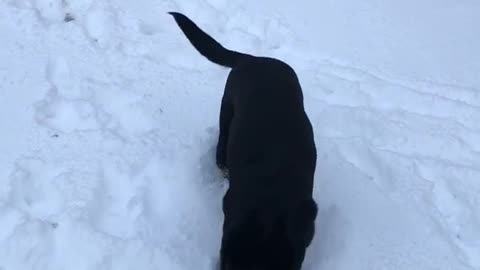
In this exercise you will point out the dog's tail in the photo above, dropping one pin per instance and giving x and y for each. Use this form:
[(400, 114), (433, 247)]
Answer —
[(206, 45)]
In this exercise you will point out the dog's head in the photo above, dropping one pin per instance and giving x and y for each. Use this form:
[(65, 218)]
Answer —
[(279, 244)]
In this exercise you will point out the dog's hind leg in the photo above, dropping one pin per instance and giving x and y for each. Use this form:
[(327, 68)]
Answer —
[(226, 115)]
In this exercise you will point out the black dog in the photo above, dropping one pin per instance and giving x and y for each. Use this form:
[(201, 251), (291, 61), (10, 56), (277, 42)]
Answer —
[(266, 143)]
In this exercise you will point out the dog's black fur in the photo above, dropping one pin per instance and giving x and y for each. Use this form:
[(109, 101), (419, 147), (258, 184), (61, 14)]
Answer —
[(266, 143)]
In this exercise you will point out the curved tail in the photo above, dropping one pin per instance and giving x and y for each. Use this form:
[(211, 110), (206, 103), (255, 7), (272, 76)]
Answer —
[(205, 44)]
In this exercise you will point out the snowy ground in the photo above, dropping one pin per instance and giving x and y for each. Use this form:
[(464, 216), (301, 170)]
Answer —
[(109, 124)]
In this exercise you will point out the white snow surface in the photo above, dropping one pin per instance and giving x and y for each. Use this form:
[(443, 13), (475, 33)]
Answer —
[(109, 122)]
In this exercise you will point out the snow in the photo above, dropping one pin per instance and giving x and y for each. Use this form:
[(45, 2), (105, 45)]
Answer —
[(109, 123)]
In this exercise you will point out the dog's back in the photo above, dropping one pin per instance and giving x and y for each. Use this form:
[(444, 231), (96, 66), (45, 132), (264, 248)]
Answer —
[(266, 142), (271, 146)]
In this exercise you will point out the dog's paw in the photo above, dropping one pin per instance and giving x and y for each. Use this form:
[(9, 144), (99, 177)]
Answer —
[(220, 161), (225, 173)]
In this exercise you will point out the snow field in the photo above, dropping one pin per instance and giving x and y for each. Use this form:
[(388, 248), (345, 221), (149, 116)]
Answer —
[(109, 121)]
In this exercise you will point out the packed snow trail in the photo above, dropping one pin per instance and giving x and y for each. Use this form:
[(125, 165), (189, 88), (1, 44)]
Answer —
[(109, 124)]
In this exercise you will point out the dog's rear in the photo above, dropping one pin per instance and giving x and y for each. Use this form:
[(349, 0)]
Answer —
[(266, 143)]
